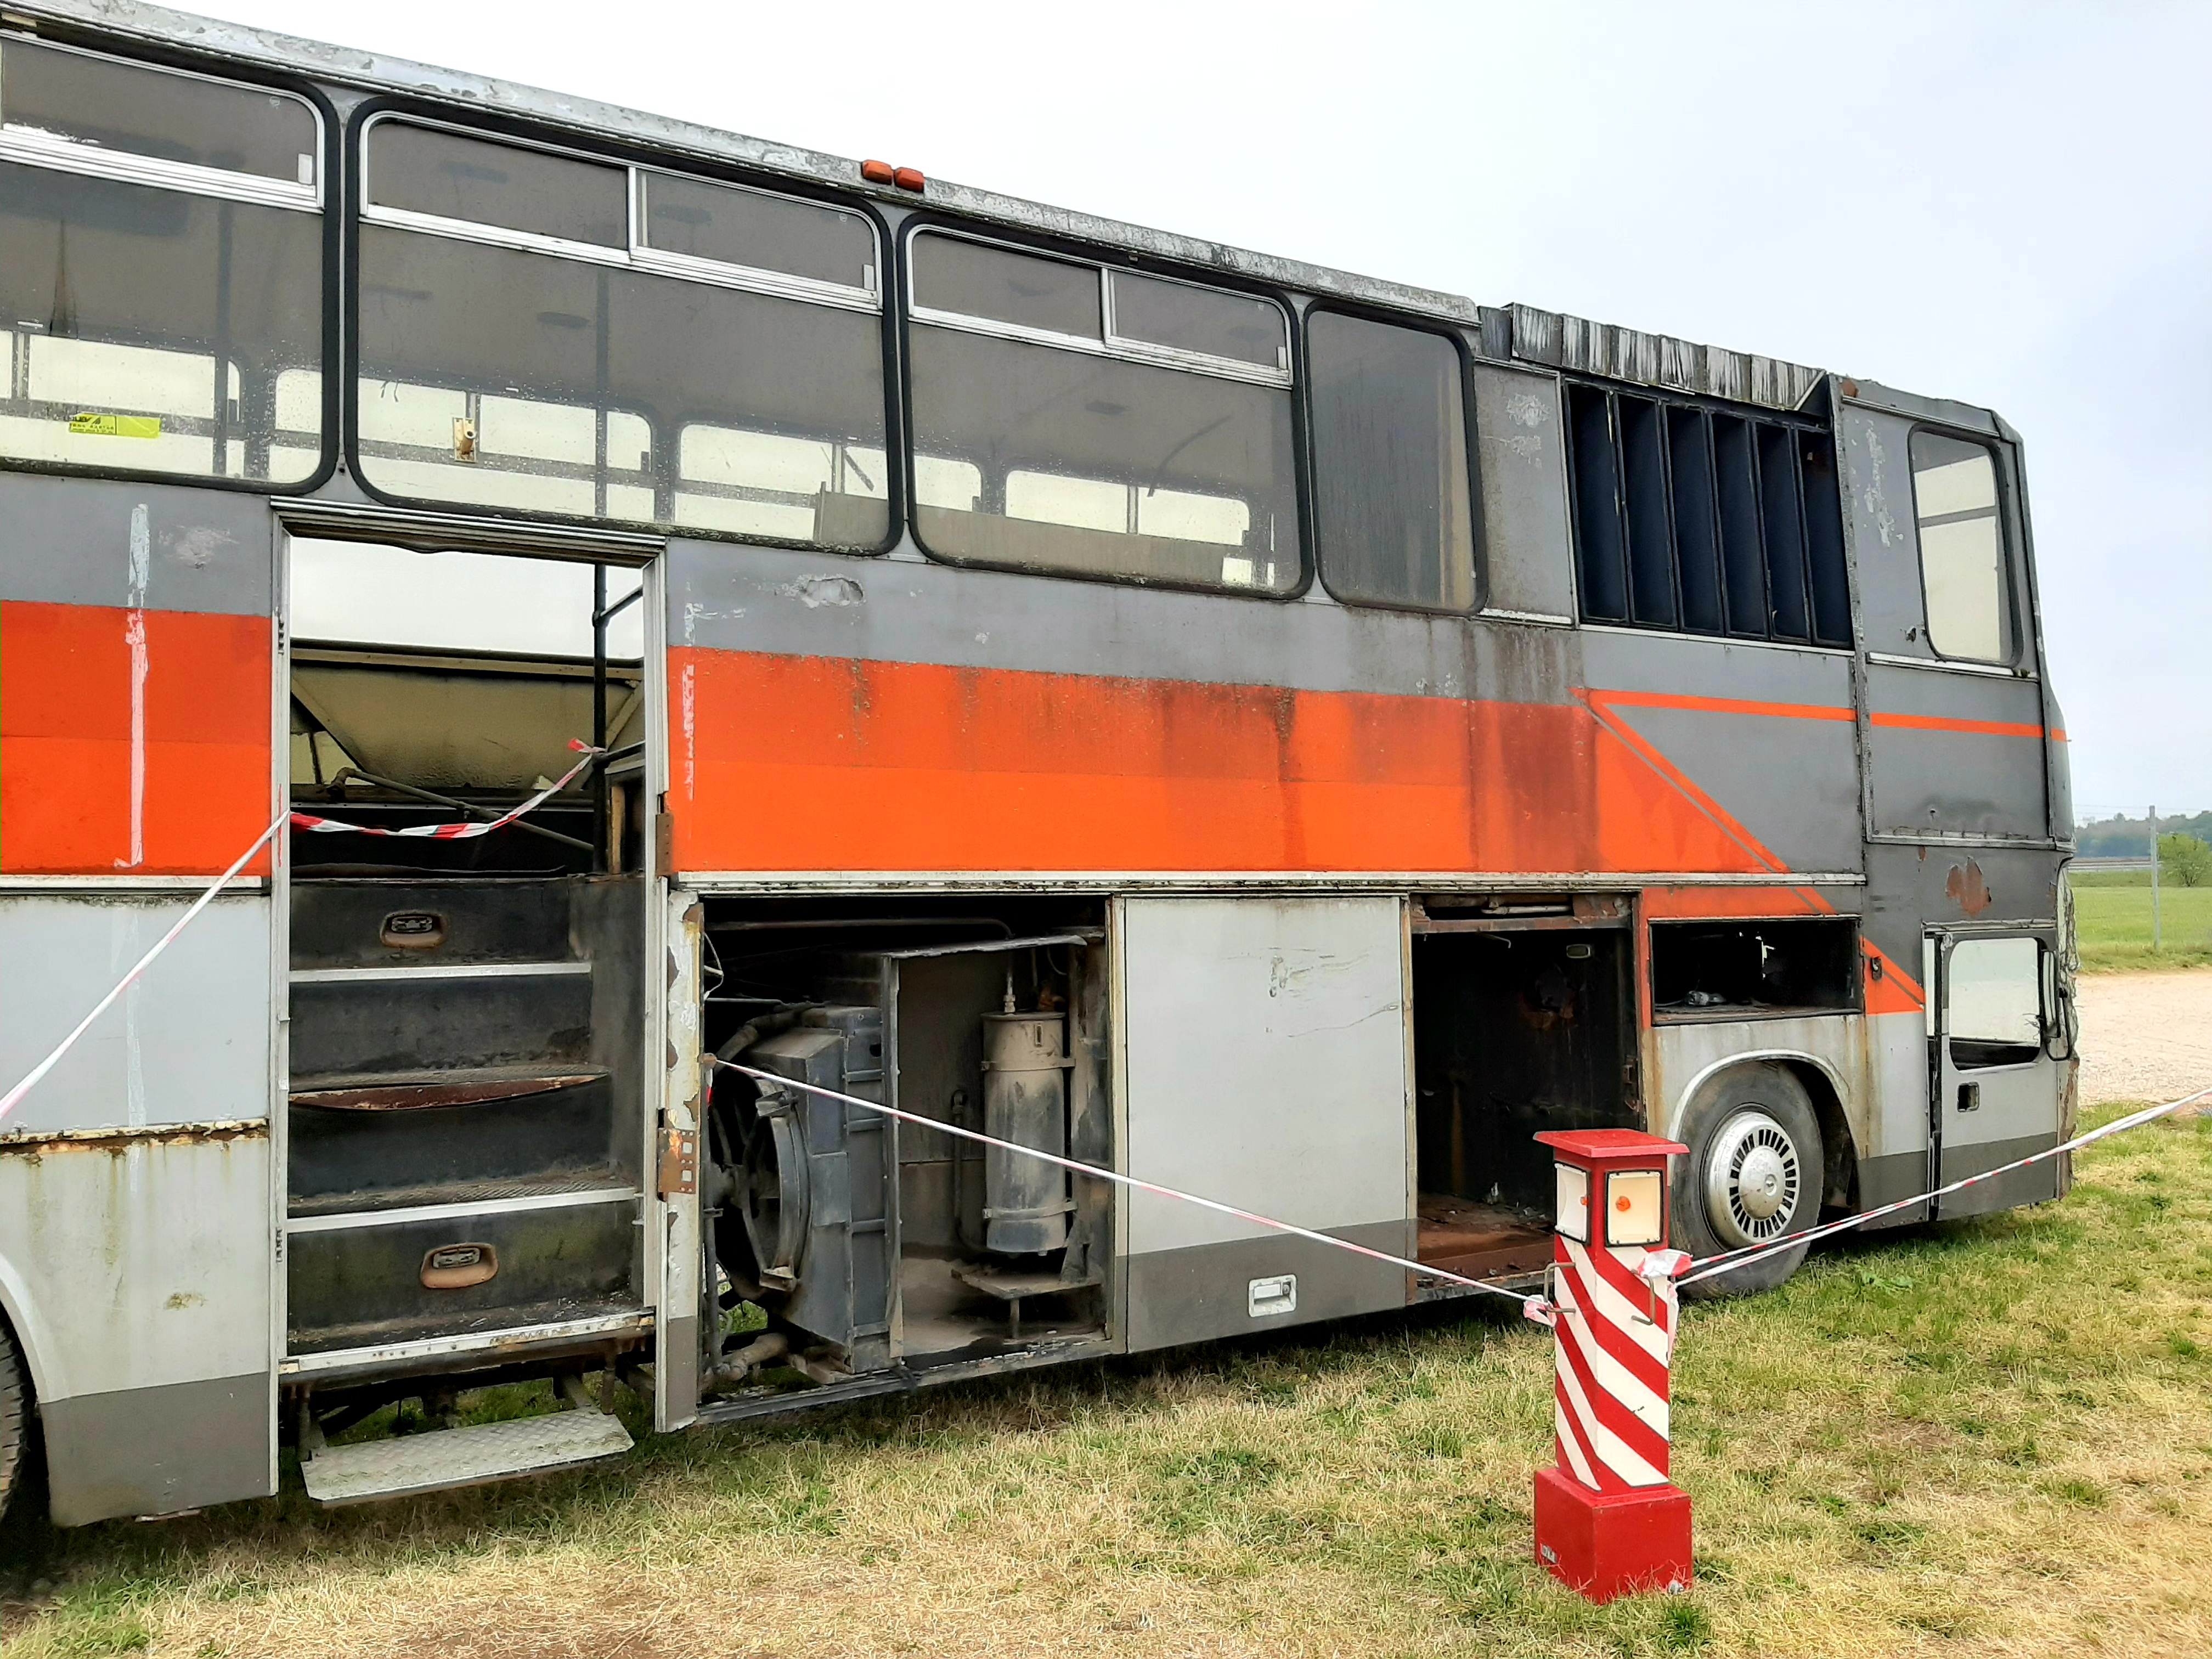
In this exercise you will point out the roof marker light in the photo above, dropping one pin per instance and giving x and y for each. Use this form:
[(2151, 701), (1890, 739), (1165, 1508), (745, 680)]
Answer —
[(877, 172), (908, 178)]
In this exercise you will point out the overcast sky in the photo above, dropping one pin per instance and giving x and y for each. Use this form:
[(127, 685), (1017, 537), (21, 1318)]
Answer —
[(2006, 204)]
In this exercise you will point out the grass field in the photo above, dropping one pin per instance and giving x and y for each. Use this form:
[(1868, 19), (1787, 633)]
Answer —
[(2111, 917), (1991, 1437)]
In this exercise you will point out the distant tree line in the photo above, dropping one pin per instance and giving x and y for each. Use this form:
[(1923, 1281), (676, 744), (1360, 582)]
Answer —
[(2129, 838)]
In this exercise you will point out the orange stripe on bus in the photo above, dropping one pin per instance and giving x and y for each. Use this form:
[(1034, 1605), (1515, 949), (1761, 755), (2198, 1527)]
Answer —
[(1788, 711), (782, 763), (66, 742), (1944, 723)]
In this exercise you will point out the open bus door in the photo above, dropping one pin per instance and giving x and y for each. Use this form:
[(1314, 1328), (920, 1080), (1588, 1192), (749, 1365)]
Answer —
[(1998, 1091)]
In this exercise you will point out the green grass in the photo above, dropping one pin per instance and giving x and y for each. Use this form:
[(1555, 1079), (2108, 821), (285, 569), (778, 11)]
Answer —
[(2111, 918), (1994, 1435)]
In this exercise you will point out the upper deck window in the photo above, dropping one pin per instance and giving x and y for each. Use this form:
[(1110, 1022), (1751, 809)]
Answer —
[(1070, 416), (1391, 497), (448, 175), (1703, 520), (554, 333), (161, 270), (1955, 498)]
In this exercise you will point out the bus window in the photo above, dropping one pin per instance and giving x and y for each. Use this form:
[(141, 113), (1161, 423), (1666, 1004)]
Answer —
[(1692, 519), (447, 175), (1114, 425), (753, 230), (1993, 1002), (720, 370), (1954, 494), (160, 270), (760, 483), (101, 105), (1390, 464)]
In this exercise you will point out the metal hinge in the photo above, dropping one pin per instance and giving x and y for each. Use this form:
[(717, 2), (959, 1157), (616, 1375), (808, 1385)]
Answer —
[(680, 1163), (664, 842)]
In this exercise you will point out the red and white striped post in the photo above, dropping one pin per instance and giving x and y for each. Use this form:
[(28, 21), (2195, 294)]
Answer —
[(1609, 1522)]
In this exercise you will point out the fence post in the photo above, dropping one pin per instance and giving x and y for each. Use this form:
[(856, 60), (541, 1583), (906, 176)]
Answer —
[(1609, 1521), (2155, 931)]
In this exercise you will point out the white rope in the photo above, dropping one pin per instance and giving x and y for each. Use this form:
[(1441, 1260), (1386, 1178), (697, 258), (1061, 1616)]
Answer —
[(1119, 1180), (1729, 1261)]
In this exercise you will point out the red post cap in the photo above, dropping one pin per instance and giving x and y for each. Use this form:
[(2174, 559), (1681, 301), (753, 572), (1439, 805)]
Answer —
[(1599, 1149)]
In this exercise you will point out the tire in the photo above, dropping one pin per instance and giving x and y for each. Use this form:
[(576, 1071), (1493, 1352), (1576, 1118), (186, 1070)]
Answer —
[(1754, 1173), (15, 1424)]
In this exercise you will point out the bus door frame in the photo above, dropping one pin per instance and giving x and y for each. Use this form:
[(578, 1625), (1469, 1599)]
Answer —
[(1972, 1108)]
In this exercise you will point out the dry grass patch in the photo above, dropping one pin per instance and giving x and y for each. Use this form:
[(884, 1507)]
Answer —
[(1993, 1438)]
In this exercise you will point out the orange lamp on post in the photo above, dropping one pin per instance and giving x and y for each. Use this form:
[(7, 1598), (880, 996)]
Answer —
[(1608, 1521)]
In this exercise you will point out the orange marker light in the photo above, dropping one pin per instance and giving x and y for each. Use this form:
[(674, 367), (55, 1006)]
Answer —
[(908, 178), (1621, 1204), (878, 172)]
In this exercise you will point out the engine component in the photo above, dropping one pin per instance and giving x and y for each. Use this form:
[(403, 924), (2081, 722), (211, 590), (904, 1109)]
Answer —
[(1026, 1200)]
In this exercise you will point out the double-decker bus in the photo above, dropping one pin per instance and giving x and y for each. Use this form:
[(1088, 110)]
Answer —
[(1272, 733)]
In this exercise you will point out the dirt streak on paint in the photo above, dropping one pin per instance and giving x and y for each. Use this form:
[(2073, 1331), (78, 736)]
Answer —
[(134, 636)]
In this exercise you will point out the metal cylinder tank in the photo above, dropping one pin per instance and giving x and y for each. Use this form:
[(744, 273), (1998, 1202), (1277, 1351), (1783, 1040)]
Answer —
[(1025, 1202)]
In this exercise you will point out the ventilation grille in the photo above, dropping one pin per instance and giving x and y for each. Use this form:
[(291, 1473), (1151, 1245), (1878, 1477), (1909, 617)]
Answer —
[(1702, 521)]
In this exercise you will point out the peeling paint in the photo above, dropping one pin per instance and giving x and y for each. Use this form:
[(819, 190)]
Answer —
[(814, 592)]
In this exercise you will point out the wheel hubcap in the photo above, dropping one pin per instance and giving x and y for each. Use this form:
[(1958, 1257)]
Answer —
[(1752, 1176)]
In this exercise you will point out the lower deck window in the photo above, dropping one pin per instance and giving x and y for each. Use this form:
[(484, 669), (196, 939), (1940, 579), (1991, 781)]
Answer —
[(1768, 966)]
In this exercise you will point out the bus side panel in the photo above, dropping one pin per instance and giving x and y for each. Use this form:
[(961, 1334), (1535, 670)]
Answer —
[(135, 644), (134, 1198), (1267, 1068)]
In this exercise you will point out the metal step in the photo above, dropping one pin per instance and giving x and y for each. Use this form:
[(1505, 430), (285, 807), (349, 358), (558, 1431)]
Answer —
[(472, 1456), (417, 1019)]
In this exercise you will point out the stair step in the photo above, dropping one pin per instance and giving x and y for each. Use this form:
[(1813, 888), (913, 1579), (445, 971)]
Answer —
[(402, 1091), (411, 1021), (474, 1456)]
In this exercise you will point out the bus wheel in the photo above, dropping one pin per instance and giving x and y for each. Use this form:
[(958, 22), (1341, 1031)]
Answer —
[(14, 1430), (1752, 1175)]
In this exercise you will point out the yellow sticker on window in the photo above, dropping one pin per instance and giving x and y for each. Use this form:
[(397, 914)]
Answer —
[(117, 426)]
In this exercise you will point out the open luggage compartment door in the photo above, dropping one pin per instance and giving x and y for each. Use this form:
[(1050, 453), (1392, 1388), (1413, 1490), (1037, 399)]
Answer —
[(1267, 1067)]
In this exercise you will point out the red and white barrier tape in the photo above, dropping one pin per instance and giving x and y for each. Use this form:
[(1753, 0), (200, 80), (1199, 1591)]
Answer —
[(1729, 1261), (14, 1097), (457, 831), (1119, 1180)]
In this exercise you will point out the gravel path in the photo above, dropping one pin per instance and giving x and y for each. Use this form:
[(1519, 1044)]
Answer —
[(2144, 1036)]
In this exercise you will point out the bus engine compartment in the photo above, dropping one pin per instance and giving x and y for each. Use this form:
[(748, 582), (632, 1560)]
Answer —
[(841, 1241)]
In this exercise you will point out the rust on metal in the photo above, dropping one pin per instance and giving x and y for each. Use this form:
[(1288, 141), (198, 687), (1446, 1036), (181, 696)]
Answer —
[(1967, 889), (415, 1096), (123, 1139)]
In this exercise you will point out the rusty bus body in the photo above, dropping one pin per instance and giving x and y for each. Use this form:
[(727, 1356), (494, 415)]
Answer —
[(1689, 732)]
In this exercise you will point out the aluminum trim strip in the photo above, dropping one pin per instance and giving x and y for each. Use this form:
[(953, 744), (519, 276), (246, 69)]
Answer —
[(456, 970), (1945, 666), (1215, 881), (60, 155), (350, 1358)]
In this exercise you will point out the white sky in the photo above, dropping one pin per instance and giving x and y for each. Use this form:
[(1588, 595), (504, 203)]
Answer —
[(2006, 204)]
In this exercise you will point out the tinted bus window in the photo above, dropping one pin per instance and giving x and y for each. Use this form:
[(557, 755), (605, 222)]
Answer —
[(161, 272), (708, 389), (1390, 464), (132, 109), (1954, 496), (753, 230), (1162, 455), (449, 176)]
